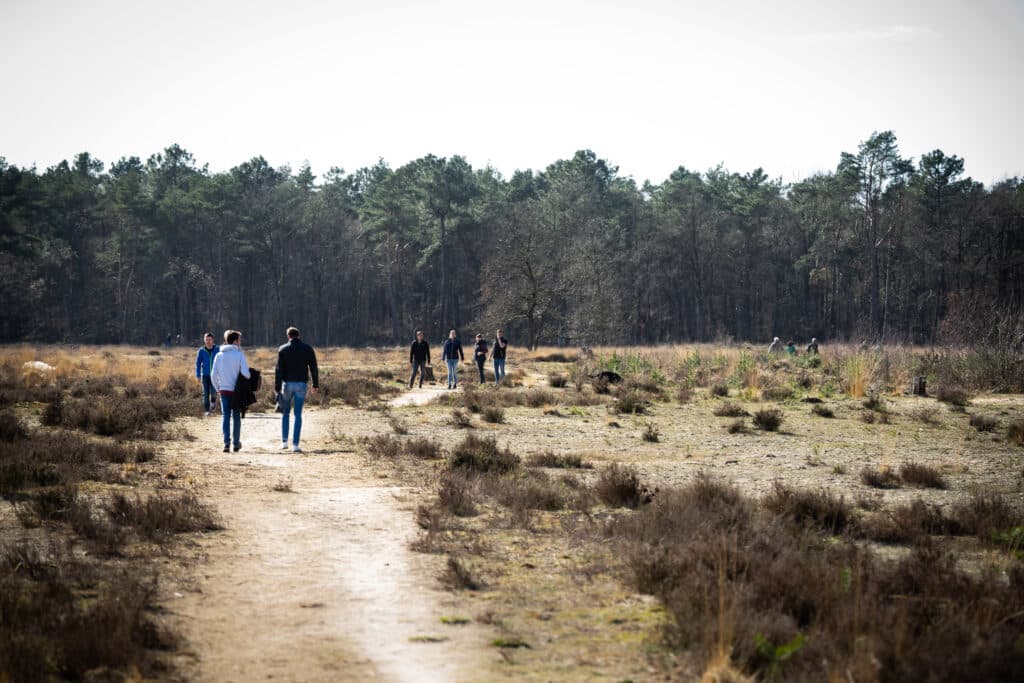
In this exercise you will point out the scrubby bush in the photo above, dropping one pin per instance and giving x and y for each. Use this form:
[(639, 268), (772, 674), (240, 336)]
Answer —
[(423, 448), (631, 402), (953, 394), (984, 423), (481, 454), (162, 514), (493, 414), (879, 477), (557, 380), (460, 419), (925, 476), (455, 493), (651, 433), (620, 486), (819, 508), (557, 460), (729, 409), (720, 389), (737, 426), (383, 446), (769, 419), (1015, 433), (928, 415), (822, 410)]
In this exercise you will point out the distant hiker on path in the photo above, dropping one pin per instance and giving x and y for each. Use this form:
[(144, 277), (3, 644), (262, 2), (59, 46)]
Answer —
[(228, 364), (480, 355), (775, 346), (450, 354), (498, 352), (204, 366), (812, 348), (419, 357), (791, 347), (296, 364)]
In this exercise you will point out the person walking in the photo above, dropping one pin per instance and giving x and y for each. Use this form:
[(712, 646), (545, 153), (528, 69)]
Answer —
[(451, 352), (812, 348), (204, 365), (776, 346), (498, 352), (228, 364), (296, 365), (480, 355), (419, 357)]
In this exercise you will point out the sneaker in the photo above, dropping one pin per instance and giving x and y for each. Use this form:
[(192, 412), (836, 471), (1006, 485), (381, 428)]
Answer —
[(284, 445), (296, 449), (227, 449), (238, 447), (206, 414)]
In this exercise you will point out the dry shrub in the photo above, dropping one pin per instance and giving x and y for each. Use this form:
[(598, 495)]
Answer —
[(720, 389), (383, 446), (880, 477), (557, 380), (493, 414), (631, 402), (460, 419), (729, 409), (906, 523), (822, 410), (779, 393), (737, 426), (925, 476), (11, 428), (954, 395), (651, 433), (620, 486), (533, 491), (684, 394), (984, 423), (785, 599), (817, 508), (538, 398), (482, 455), (458, 576), (985, 514), (455, 493), (769, 419), (928, 415), (423, 448), (398, 425), (875, 402), (1015, 432), (161, 515), (557, 460)]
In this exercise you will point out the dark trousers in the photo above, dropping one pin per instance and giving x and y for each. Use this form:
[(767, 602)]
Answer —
[(417, 366), (480, 366), (208, 393)]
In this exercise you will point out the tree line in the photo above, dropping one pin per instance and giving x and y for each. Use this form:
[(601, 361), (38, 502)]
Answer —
[(880, 249)]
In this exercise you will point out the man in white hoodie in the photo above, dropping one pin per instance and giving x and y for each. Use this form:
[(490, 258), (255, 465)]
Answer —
[(227, 365)]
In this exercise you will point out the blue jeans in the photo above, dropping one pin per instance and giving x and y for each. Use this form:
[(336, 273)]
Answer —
[(499, 370), (230, 416), (208, 393), (292, 392), (453, 372), (417, 366)]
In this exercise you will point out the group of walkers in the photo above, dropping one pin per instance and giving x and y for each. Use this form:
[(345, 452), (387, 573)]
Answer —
[(224, 369), (790, 347), (452, 353)]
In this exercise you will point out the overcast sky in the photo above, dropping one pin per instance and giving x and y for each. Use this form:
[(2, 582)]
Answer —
[(647, 84)]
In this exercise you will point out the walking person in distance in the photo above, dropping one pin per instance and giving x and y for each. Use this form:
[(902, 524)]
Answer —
[(228, 364), (419, 357), (204, 366), (480, 355), (296, 365), (451, 353), (499, 350)]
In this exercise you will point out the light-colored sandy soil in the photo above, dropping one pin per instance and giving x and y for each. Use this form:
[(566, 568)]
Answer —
[(312, 584)]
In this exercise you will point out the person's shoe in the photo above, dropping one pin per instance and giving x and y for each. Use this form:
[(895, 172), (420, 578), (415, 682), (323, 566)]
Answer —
[(296, 449), (227, 449), (238, 447), (206, 414), (284, 445)]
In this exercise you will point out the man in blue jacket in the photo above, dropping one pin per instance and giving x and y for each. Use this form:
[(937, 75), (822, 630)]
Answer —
[(204, 364), (451, 354)]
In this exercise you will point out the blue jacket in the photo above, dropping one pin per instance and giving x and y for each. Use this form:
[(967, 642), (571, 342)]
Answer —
[(452, 348), (204, 360)]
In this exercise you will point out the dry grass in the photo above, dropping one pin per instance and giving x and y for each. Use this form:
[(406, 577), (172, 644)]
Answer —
[(880, 477), (924, 476)]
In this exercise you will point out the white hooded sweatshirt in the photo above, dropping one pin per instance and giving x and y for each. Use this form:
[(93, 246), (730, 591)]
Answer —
[(227, 364)]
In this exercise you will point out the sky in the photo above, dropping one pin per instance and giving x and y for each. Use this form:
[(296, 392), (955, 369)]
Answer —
[(649, 85)]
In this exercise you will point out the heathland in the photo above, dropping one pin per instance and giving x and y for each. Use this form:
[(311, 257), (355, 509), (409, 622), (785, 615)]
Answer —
[(717, 513)]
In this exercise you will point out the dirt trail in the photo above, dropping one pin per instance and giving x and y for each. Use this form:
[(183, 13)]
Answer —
[(316, 583), (419, 396)]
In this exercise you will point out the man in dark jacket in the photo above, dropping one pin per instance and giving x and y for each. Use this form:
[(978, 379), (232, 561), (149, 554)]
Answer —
[(451, 353), (296, 364), (480, 355), (498, 353), (204, 364), (419, 357)]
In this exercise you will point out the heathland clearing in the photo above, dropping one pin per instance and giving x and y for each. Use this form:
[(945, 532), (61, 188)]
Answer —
[(486, 533)]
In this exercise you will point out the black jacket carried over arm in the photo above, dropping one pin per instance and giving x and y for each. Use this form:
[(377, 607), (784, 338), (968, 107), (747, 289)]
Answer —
[(245, 391), (420, 352), (296, 361)]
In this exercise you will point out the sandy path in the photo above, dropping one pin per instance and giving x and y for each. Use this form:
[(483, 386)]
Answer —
[(316, 584), (418, 396)]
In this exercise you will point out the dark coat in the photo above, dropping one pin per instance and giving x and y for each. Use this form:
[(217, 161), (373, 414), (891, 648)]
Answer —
[(245, 391)]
